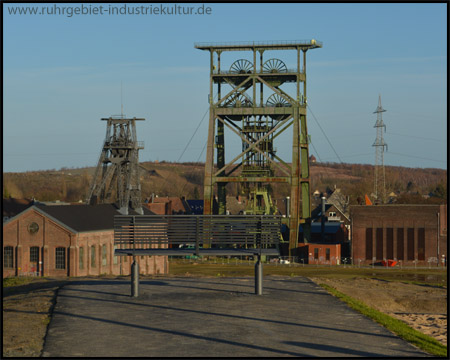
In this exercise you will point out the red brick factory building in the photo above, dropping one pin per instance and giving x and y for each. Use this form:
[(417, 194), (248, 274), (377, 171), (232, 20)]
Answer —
[(412, 235), (68, 240)]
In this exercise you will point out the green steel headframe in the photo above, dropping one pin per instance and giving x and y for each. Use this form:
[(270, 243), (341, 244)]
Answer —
[(258, 119)]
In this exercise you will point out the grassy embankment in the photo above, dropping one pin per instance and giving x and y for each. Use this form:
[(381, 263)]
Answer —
[(398, 327)]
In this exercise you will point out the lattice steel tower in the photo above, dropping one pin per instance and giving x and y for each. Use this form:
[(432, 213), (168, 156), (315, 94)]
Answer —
[(258, 108), (116, 177), (380, 178)]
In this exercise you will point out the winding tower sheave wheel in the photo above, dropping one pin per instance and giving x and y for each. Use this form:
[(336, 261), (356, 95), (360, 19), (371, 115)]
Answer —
[(241, 66), (274, 66), (238, 101), (276, 100)]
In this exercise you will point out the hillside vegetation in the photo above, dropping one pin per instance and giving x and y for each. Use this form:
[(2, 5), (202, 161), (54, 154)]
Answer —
[(411, 185)]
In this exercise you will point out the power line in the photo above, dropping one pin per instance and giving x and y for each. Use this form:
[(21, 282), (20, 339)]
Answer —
[(415, 137), (187, 145), (195, 132), (350, 156), (417, 157), (323, 132), (317, 153), (198, 159)]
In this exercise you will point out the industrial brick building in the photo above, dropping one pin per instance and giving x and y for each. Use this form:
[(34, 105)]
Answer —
[(326, 250), (68, 240), (320, 254), (409, 234)]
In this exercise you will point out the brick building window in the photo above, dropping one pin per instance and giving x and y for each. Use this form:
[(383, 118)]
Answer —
[(400, 243), (379, 243), (369, 244), (60, 262), (316, 253), (81, 258), (327, 254), (104, 255), (8, 257), (410, 243), (93, 256), (421, 244), (390, 243), (34, 254)]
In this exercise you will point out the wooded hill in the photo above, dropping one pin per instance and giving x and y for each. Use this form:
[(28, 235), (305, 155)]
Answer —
[(411, 185)]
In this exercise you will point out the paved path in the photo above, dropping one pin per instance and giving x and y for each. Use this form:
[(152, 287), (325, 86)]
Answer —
[(212, 317)]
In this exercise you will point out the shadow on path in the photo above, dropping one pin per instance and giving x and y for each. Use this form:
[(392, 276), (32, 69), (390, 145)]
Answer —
[(223, 315), (223, 341)]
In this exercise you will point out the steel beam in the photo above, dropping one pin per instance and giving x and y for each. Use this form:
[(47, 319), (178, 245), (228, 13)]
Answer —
[(221, 190), (295, 188), (275, 179), (304, 180), (209, 167)]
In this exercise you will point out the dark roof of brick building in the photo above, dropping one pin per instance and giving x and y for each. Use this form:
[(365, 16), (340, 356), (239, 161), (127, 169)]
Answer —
[(81, 218), (11, 206), (330, 228)]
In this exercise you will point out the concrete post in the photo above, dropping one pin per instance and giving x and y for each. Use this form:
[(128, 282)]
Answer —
[(258, 276), (134, 278)]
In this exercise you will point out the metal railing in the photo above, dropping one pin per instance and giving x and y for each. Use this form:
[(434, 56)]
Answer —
[(258, 71), (259, 43), (181, 235), (207, 234)]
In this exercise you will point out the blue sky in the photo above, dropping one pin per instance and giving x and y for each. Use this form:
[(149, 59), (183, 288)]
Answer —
[(62, 74)]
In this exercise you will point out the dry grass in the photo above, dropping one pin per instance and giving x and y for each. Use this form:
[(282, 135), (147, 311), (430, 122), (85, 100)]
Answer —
[(26, 314)]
